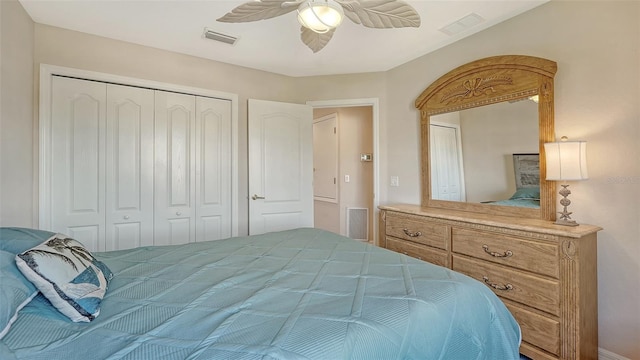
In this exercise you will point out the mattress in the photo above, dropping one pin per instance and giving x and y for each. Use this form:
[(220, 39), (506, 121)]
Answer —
[(297, 294)]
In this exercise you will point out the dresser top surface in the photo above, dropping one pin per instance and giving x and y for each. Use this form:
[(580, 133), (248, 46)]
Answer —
[(533, 225)]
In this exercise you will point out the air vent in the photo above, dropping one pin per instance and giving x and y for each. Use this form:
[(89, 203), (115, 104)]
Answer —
[(358, 223), (465, 23), (227, 39)]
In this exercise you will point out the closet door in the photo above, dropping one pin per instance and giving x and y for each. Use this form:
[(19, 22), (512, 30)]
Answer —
[(134, 167), (174, 168), (447, 179), (129, 167), (213, 169), (78, 160)]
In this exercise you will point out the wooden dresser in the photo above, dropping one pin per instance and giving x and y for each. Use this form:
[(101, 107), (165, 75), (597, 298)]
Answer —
[(545, 273)]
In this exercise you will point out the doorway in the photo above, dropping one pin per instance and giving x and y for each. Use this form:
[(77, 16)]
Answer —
[(352, 211)]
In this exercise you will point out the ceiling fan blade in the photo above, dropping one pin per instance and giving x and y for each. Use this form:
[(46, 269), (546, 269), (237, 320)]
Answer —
[(381, 14), (314, 40), (259, 10)]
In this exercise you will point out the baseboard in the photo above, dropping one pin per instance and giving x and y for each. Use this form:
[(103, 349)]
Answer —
[(608, 355)]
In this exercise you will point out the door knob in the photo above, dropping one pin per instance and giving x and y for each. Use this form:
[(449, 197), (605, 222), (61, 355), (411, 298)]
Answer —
[(178, 213), (256, 197), (126, 217)]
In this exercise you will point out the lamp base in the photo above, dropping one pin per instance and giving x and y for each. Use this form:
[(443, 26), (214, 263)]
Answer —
[(566, 222), (565, 218)]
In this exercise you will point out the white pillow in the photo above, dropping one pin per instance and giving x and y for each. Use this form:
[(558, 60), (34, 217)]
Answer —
[(68, 275)]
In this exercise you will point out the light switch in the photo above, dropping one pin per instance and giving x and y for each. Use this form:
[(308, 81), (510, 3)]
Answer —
[(395, 181), (346, 178)]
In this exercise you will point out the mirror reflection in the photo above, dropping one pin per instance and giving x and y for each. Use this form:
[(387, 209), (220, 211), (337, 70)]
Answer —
[(487, 154)]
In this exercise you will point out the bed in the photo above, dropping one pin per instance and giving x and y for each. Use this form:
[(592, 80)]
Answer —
[(529, 198), (526, 169), (297, 294)]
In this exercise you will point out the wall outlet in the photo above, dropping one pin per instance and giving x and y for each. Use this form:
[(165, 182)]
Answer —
[(395, 181), (347, 178)]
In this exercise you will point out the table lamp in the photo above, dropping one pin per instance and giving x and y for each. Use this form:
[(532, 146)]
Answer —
[(566, 160)]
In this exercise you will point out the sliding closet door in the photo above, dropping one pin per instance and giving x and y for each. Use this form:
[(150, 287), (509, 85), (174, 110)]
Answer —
[(129, 167), (174, 168), (213, 169), (78, 160)]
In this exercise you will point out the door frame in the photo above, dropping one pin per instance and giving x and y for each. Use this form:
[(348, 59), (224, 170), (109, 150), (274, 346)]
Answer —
[(375, 107), (47, 72)]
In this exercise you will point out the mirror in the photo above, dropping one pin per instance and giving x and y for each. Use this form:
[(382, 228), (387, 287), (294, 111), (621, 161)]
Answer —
[(474, 154), (483, 126)]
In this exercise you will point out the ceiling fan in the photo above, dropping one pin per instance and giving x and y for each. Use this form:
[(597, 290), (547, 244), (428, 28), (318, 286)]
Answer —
[(320, 18)]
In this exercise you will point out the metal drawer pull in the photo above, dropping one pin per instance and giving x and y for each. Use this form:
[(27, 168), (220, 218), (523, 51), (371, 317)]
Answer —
[(409, 233), (496, 254), (505, 287)]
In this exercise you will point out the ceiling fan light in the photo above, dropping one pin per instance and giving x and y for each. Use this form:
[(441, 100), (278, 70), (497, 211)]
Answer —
[(320, 15)]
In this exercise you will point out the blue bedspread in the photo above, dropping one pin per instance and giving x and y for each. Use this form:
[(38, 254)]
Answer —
[(528, 203), (298, 294)]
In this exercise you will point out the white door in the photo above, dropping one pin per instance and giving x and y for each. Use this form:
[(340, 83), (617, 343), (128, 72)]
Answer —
[(129, 167), (280, 166), (213, 169), (78, 160), (447, 180), (325, 158), (174, 168)]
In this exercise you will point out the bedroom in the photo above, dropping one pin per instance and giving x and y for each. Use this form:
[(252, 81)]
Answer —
[(594, 43)]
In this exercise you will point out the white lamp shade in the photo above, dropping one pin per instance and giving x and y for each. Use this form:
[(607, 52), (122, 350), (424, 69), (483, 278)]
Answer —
[(320, 15), (566, 160)]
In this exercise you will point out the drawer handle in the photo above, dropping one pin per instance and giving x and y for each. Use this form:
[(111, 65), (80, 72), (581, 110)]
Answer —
[(505, 287), (506, 254), (409, 233)]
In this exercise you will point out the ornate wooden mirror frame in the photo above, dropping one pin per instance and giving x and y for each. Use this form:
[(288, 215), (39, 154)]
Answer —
[(483, 82)]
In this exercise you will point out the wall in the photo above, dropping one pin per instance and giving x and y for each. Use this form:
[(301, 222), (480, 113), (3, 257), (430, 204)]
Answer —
[(16, 114), (597, 48), (355, 134)]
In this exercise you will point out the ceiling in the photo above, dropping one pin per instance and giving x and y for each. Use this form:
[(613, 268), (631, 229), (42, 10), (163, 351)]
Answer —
[(272, 45)]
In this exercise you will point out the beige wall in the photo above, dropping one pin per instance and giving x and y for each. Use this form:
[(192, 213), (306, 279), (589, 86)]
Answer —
[(596, 46), (16, 114)]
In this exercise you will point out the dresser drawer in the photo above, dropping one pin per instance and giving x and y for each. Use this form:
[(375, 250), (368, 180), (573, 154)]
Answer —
[(418, 230), (538, 330), (523, 254), (432, 255), (511, 284)]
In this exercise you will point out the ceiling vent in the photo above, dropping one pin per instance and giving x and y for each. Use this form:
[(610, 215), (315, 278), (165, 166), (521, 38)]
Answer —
[(227, 39), (465, 23)]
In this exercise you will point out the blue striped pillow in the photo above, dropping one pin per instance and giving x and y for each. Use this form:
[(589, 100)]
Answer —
[(16, 240), (16, 291)]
